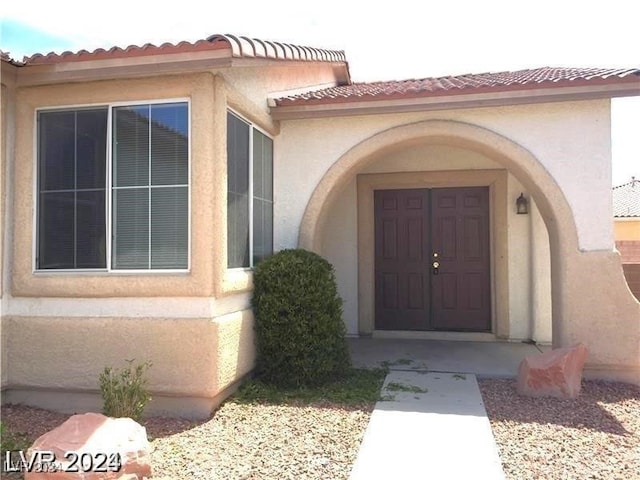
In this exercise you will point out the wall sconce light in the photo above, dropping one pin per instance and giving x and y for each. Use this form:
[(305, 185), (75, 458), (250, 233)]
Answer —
[(522, 205)]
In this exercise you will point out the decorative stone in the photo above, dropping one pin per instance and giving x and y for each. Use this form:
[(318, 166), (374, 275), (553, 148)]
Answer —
[(95, 439), (556, 373)]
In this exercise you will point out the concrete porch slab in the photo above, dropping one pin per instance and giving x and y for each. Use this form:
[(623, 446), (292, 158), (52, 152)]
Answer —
[(433, 426), (484, 359)]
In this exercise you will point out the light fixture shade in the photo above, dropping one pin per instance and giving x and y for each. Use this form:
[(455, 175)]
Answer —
[(522, 205)]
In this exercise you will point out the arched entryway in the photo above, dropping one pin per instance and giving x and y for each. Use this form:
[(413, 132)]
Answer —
[(462, 137)]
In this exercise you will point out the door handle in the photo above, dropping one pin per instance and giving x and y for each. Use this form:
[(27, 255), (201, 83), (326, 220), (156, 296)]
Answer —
[(436, 266)]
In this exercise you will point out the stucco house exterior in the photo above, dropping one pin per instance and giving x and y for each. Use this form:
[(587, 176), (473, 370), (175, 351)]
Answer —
[(139, 187)]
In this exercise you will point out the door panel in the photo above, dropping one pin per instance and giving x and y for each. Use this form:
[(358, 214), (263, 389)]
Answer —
[(461, 290), (411, 226), (401, 256)]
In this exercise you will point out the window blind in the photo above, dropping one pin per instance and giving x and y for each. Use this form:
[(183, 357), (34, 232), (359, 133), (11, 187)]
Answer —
[(71, 189), (150, 187), (237, 192)]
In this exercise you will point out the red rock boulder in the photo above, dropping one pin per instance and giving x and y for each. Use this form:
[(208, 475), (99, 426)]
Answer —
[(97, 444), (556, 373)]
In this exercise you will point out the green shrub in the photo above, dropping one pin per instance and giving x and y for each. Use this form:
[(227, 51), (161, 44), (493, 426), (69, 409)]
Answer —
[(300, 335), (124, 392)]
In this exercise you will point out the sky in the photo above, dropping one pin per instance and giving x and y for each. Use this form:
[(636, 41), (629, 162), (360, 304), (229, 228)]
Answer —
[(382, 40)]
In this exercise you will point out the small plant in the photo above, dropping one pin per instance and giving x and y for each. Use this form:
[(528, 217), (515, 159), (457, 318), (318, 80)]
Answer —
[(400, 387), (124, 392), (10, 441), (403, 361), (459, 376), (399, 361)]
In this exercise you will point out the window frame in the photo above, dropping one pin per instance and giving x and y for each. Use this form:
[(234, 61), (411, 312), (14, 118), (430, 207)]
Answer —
[(252, 126), (108, 189)]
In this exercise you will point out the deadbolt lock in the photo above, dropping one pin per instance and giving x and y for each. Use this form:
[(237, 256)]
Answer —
[(435, 254)]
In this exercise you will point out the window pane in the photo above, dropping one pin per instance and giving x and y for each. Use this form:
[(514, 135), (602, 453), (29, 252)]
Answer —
[(56, 150), (164, 150), (237, 155), (268, 169), (131, 146), (262, 166), (169, 227), (237, 230), (258, 184), (91, 148), (56, 230), (262, 192), (72, 156), (90, 230), (131, 228), (169, 144), (262, 230), (238, 192)]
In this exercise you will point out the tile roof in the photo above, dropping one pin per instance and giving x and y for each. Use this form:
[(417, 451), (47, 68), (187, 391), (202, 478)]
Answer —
[(241, 47), (626, 199), (5, 57), (463, 84)]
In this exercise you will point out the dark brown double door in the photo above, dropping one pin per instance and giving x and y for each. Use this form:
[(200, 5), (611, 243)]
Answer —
[(432, 259)]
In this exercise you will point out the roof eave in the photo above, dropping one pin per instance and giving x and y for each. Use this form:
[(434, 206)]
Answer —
[(127, 67), (142, 66), (8, 73), (456, 101)]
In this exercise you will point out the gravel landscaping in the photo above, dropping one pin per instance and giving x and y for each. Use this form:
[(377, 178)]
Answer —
[(594, 437), (241, 441)]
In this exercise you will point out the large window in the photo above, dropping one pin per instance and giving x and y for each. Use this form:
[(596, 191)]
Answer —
[(250, 193), (113, 188)]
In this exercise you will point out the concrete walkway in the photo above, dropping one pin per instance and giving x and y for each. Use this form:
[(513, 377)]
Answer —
[(432, 426)]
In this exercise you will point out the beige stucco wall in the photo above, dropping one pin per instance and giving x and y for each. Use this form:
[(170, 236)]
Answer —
[(199, 89), (4, 91), (258, 83), (7, 130), (540, 277), (194, 359), (3, 155), (571, 140), (626, 229)]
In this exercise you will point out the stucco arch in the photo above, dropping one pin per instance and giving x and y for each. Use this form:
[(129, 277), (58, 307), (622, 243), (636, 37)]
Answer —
[(518, 160), (608, 323)]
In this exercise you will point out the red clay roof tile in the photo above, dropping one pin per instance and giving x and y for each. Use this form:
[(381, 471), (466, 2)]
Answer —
[(241, 47), (460, 84)]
